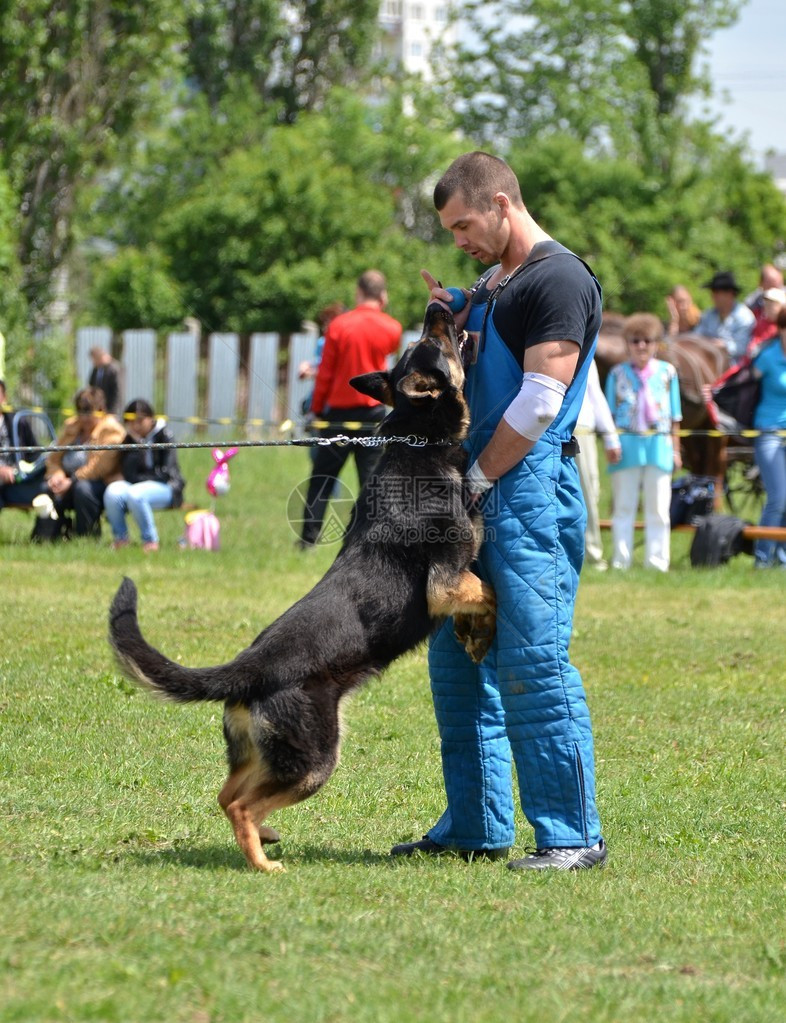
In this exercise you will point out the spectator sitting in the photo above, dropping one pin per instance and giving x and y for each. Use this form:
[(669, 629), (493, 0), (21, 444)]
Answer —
[(18, 486), (728, 320), (151, 478), (78, 479), (106, 374), (684, 314), (644, 398)]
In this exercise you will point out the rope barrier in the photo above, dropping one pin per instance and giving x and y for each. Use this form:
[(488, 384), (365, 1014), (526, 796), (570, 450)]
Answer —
[(323, 424), (691, 433)]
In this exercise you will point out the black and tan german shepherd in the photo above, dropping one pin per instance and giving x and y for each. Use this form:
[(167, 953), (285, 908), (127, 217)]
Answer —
[(404, 565)]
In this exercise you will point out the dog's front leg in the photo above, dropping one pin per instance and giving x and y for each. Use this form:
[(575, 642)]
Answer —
[(472, 604)]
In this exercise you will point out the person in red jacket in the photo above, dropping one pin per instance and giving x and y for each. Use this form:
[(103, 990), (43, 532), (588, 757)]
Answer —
[(356, 342)]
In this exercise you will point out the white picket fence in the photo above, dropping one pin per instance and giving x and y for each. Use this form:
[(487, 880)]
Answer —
[(248, 394)]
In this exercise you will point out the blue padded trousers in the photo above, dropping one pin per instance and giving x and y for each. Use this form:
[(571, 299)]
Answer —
[(525, 703)]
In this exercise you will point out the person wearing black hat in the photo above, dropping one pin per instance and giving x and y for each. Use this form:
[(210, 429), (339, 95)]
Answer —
[(728, 320)]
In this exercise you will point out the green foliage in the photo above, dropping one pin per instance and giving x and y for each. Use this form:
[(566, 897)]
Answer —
[(290, 56), (75, 78), (617, 76), (135, 289), (277, 230), (170, 161), (250, 159), (643, 234), (12, 302)]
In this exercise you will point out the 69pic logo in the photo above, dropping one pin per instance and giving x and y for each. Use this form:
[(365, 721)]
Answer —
[(406, 510)]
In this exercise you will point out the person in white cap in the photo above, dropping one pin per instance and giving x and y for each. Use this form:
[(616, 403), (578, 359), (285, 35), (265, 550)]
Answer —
[(772, 301)]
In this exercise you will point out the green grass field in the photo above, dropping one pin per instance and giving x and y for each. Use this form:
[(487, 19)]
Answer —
[(124, 897)]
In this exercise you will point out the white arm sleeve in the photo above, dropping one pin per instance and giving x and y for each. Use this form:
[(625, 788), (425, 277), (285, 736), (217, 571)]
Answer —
[(536, 405)]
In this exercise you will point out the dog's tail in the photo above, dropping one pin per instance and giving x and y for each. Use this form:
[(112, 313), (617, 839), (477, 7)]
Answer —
[(150, 668)]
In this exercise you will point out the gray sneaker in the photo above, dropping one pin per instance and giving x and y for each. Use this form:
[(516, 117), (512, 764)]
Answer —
[(563, 859)]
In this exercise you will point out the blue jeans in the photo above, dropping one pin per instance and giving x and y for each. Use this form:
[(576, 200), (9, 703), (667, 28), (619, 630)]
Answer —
[(140, 499), (770, 454)]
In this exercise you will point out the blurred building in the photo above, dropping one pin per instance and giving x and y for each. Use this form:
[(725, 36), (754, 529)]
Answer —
[(775, 164), (410, 28)]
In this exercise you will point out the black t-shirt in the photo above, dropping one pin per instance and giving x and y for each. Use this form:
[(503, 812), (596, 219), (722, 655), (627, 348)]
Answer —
[(552, 299)]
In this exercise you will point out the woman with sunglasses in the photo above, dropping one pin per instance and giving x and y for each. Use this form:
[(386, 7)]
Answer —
[(644, 398)]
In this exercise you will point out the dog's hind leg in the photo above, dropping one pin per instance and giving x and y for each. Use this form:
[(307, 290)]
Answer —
[(247, 801)]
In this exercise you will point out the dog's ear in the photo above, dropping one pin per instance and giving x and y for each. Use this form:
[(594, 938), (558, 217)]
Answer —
[(375, 385), (420, 386)]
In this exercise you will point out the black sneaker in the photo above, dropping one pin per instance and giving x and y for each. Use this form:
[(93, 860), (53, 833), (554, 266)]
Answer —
[(425, 845), (563, 859)]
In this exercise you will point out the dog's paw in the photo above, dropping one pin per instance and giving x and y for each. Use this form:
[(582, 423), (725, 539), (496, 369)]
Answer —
[(268, 836), (263, 865), (462, 627), (475, 633)]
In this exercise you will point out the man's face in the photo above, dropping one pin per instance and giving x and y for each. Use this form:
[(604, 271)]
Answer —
[(483, 236), (724, 301)]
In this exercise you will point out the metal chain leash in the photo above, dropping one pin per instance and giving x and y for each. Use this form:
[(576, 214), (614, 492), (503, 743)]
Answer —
[(370, 441)]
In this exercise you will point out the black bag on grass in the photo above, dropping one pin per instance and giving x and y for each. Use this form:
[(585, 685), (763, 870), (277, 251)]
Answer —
[(717, 539), (691, 498), (46, 530)]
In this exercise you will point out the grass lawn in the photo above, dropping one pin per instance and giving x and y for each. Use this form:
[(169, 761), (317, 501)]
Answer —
[(124, 897)]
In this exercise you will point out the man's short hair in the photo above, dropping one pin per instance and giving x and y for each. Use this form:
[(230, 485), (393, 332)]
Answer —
[(372, 284), (477, 177)]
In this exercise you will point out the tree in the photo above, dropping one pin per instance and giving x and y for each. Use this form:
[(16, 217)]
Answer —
[(277, 231), (290, 54), (76, 77), (134, 288), (616, 75), (12, 303), (642, 234), (260, 235)]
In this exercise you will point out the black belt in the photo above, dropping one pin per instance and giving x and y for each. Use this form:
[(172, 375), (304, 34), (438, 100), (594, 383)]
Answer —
[(570, 448)]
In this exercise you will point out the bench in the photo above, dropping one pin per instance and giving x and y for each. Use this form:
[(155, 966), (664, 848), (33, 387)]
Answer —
[(777, 533)]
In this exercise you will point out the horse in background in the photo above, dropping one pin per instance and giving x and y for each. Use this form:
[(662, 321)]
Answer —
[(611, 348), (699, 361)]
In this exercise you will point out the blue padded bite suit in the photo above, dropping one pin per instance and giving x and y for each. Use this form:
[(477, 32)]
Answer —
[(525, 703)]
